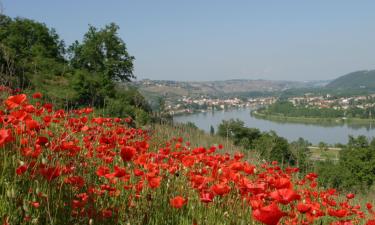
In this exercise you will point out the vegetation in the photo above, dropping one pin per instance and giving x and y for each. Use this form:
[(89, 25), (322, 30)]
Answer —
[(73, 167), (68, 163), (351, 168), (286, 110), (268, 145), (34, 58), (357, 80), (355, 168)]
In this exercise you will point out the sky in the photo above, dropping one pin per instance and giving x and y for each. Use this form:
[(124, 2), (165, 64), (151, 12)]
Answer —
[(195, 40)]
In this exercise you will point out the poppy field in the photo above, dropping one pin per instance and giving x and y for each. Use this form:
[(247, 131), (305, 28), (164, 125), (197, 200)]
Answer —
[(75, 167)]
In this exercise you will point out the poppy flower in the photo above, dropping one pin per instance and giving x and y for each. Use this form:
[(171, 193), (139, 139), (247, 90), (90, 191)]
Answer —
[(35, 204), (177, 202), (15, 101), (37, 95), (303, 208), (350, 196), (270, 214), (50, 173), (21, 170), (127, 153), (76, 181), (285, 195), (154, 182), (338, 212), (220, 189), (32, 125), (206, 197), (5, 136), (102, 171)]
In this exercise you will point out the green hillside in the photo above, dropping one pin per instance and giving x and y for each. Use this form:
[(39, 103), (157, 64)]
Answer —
[(357, 80)]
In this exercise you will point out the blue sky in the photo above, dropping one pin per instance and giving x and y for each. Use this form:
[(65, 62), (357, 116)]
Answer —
[(221, 39)]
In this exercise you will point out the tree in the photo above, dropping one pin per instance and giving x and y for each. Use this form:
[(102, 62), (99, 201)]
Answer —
[(301, 154), (236, 130), (103, 52), (212, 130), (274, 148), (28, 50), (227, 128)]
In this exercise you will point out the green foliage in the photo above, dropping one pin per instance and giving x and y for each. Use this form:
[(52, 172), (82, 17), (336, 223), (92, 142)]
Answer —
[(268, 144), (274, 148), (128, 102), (356, 167), (301, 154), (286, 108), (212, 130), (92, 88), (103, 52), (356, 80), (32, 57), (28, 49)]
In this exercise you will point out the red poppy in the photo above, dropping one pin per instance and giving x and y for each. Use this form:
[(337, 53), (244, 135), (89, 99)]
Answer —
[(35, 204), (5, 136), (127, 153), (303, 208), (285, 195), (37, 95), (32, 125), (206, 197), (50, 173), (350, 196), (177, 202), (14, 101), (21, 170), (269, 215), (154, 182), (102, 171), (76, 181), (220, 189), (338, 212)]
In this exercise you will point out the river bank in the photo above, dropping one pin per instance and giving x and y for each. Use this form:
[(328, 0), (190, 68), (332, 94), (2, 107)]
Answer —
[(328, 132), (311, 120)]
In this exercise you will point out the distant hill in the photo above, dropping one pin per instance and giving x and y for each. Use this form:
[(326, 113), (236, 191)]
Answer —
[(357, 80), (214, 88)]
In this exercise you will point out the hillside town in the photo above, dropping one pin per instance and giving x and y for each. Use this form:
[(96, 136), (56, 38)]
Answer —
[(188, 105), (338, 103)]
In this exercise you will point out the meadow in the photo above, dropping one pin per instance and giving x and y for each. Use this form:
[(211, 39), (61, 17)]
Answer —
[(77, 167)]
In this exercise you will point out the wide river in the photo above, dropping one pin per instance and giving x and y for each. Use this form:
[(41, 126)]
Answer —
[(314, 133)]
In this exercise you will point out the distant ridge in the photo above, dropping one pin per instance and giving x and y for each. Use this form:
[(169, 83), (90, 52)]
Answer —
[(363, 79)]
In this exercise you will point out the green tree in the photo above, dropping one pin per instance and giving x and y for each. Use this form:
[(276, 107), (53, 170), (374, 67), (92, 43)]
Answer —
[(212, 130), (274, 148), (301, 154), (103, 52), (28, 50)]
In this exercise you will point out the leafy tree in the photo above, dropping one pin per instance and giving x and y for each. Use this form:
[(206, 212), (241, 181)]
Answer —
[(301, 154), (212, 130), (28, 50), (274, 148), (228, 128), (103, 52)]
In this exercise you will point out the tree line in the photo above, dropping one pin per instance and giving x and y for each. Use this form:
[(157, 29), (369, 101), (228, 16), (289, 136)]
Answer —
[(94, 72), (286, 108)]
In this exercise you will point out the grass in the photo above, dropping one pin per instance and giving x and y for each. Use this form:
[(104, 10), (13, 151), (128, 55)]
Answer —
[(77, 168)]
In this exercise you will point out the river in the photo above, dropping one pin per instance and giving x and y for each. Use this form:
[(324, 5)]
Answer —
[(314, 133)]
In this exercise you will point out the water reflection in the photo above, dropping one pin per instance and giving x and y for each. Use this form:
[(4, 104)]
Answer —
[(328, 131)]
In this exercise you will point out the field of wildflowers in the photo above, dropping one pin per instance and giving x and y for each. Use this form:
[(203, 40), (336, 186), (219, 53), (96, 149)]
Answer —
[(74, 167)]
